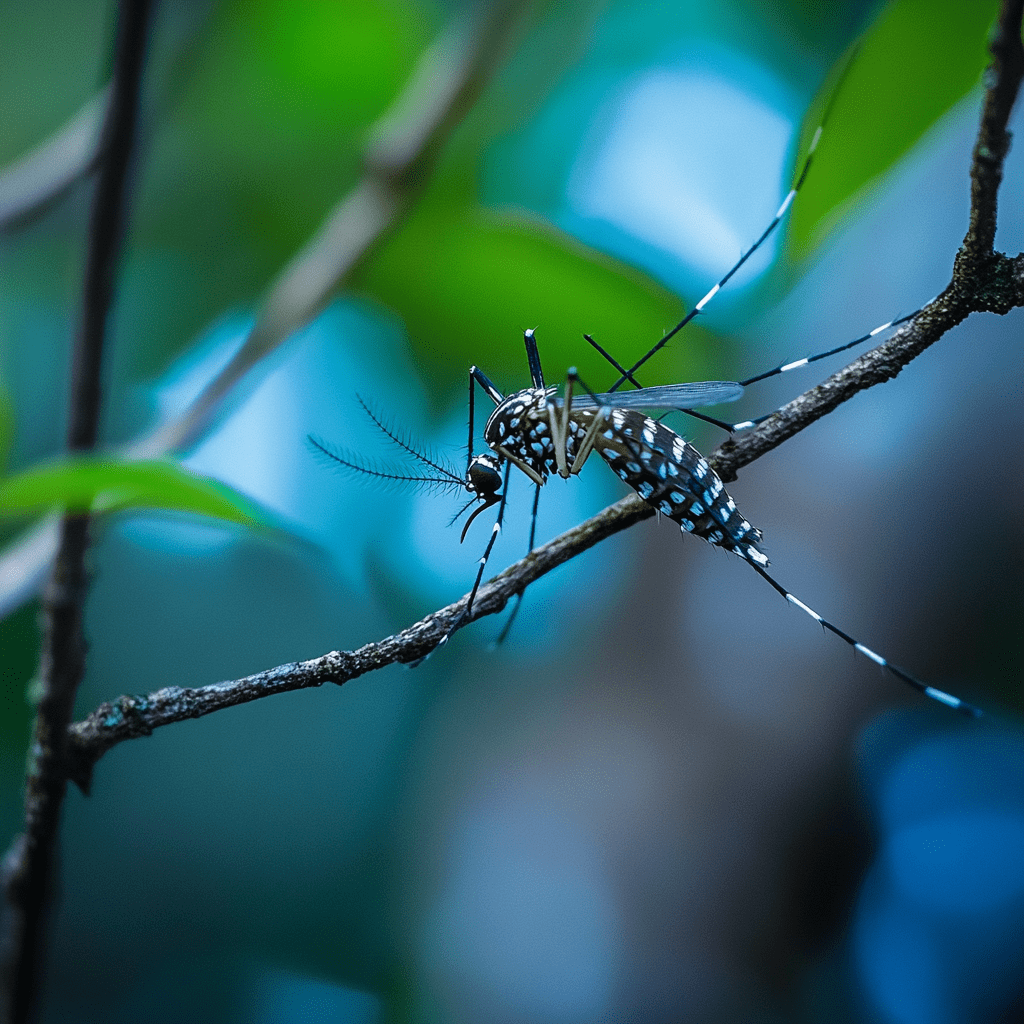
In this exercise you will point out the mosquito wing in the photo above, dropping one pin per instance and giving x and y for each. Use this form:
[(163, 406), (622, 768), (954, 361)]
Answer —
[(665, 396)]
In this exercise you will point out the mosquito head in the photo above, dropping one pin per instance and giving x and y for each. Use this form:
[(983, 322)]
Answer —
[(483, 477)]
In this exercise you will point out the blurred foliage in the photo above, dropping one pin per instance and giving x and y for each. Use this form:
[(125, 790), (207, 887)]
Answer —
[(262, 133), (54, 59), (107, 485), (6, 424), (260, 118), (469, 282), (918, 59)]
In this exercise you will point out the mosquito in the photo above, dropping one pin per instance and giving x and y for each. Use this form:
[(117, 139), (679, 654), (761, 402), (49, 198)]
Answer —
[(543, 434)]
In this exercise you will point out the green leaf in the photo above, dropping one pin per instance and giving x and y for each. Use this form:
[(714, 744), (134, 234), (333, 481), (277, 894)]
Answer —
[(916, 62), (6, 425), (468, 281), (104, 485)]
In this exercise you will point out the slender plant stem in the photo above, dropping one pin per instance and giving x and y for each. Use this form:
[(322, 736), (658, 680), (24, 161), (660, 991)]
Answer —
[(30, 866)]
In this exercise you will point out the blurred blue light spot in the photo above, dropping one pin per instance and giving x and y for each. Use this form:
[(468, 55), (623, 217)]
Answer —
[(969, 862), (937, 933), (899, 965), (689, 164), (947, 772), (283, 998)]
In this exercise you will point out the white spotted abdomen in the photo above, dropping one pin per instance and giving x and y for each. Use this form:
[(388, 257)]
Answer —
[(673, 477)]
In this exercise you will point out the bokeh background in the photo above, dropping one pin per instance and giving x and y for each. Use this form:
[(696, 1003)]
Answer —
[(667, 797)]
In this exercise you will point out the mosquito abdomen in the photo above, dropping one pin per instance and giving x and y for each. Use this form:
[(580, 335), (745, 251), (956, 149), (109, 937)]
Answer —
[(673, 477)]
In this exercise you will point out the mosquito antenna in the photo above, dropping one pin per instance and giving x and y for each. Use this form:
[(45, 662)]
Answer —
[(406, 445), (380, 471)]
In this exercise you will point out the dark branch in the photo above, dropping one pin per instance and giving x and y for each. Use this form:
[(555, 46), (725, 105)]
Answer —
[(1002, 80), (133, 716), (993, 283), (30, 864)]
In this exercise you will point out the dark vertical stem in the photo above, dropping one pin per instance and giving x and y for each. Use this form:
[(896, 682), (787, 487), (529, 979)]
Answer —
[(29, 867), (1002, 80)]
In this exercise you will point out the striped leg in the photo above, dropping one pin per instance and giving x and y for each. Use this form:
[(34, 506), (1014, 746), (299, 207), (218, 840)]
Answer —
[(929, 691), (774, 372), (699, 308), (506, 629), (598, 422)]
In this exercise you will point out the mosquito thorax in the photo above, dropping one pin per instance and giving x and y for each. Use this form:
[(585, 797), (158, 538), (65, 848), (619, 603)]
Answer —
[(520, 429), (510, 417)]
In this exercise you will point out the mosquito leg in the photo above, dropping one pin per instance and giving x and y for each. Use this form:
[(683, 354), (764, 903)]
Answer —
[(559, 420), (629, 376), (699, 308), (597, 424), (797, 363), (500, 639), (472, 396), (779, 214), (533, 358), (478, 376), (774, 372), (495, 530), (929, 691)]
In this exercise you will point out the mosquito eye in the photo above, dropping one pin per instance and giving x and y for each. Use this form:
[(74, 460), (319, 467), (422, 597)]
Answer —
[(484, 479)]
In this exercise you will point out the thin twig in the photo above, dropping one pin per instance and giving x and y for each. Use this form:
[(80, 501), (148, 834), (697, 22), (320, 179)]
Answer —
[(133, 716), (30, 864), (1002, 80), (998, 286), (34, 182)]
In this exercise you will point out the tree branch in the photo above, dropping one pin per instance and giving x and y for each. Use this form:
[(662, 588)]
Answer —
[(130, 717), (29, 866), (1002, 81), (987, 281)]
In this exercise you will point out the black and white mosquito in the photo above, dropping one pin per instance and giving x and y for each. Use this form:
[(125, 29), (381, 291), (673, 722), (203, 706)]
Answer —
[(542, 434)]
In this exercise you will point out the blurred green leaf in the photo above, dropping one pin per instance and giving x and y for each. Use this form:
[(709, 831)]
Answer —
[(918, 59), (468, 281), (264, 136), (6, 425), (104, 485)]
